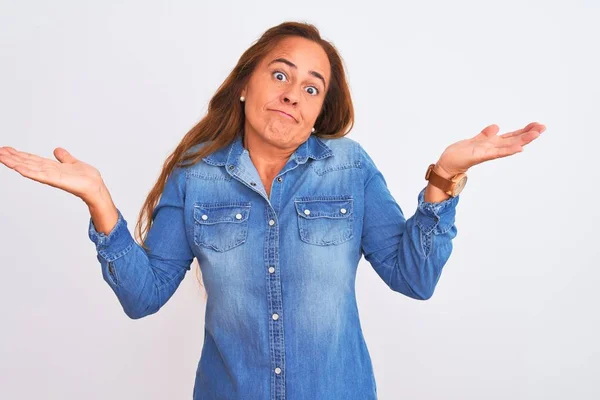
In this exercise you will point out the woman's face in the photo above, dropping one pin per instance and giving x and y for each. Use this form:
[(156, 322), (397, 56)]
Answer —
[(292, 79)]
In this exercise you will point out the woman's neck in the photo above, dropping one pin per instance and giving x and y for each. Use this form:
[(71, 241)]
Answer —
[(267, 160)]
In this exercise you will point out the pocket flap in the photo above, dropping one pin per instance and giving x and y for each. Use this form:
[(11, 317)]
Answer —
[(209, 214), (324, 208)]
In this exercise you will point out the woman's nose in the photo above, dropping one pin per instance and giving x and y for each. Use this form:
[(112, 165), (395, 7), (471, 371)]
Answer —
[(290, 97)]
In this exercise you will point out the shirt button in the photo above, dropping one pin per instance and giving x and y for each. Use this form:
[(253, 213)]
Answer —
[(231, 167), (238, 216), (277, 370), (253, 183), (271, 222), (307, 212), (343, 211), (204, 217), (279, 179), (275, 316), (271, 269)]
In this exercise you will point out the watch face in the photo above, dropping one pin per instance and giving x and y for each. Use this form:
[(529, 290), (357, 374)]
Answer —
[(460, 185)]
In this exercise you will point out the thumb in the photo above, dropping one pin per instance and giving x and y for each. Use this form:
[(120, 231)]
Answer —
[(64, 156), (490, 130)]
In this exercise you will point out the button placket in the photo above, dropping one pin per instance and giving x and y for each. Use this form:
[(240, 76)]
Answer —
[(275, 310)]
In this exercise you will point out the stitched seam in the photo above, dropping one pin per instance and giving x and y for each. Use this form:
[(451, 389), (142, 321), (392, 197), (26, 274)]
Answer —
[(338, 167), (205, 177), (426, 243), (116, 256), (425, 229)]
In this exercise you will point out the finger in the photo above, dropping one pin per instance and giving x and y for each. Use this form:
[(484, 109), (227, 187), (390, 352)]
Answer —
[(17, 159), (64, 156), (512, 134), (5, 150), (13, 151), (539, 127), (490, 130), (61, 155), (31, 160), (25, 168), (14, 162), (6, 160), (37, 175), (11, 160), (25, 156), (519, 140)]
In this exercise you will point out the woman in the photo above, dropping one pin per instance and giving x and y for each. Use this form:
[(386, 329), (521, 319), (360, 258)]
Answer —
[(278, 207)]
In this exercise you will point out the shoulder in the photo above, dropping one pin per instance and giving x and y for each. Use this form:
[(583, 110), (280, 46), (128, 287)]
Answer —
[(342, 153), (193, 151), (341, 145), (344, 148), (348, 151)]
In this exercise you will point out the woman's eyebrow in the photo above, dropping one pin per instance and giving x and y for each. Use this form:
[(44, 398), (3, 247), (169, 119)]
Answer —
[(292, 65)]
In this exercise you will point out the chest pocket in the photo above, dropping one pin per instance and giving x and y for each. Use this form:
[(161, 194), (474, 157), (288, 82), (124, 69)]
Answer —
[(221, 226), (325, 221)]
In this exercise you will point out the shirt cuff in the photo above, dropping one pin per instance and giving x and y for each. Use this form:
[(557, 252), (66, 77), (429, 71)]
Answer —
[(114, 245), (437, 217)]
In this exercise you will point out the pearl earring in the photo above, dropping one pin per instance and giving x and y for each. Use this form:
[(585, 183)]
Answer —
[(313, 129), (242, 98)]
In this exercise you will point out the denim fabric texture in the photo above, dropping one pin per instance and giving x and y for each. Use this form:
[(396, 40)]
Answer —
[(281, 316)]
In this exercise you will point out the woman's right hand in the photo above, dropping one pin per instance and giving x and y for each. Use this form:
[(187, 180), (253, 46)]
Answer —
[(68, 173)]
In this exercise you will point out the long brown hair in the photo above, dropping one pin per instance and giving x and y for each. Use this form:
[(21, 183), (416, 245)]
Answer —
[(225, 117)]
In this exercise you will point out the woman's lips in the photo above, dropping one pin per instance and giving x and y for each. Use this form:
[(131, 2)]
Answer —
[(285, 114)]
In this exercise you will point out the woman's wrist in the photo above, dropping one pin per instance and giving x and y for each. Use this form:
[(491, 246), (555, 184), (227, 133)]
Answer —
[(433, 194), (102, 209)]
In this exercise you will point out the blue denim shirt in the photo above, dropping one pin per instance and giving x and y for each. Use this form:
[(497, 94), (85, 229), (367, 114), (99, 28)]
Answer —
[(281, 315)]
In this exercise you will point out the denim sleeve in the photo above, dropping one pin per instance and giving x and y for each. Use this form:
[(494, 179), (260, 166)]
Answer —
[(144, 280), (408, 254)]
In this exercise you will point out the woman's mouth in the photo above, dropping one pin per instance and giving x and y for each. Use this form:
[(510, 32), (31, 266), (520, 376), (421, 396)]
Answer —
[(284, 114)]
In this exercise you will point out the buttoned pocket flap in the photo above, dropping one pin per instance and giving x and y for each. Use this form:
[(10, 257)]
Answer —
[(324, 208), (209, 214)]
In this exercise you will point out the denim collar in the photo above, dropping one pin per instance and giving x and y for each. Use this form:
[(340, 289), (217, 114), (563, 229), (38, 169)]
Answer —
[(313, 148)]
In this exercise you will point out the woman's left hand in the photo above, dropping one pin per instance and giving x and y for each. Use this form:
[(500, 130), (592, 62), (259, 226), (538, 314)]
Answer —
[(462, 155)]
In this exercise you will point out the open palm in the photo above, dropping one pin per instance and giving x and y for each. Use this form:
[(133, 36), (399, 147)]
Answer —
[(68, 173), (487, 145)]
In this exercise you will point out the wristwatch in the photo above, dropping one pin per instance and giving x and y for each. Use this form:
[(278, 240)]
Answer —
[(452, 186)]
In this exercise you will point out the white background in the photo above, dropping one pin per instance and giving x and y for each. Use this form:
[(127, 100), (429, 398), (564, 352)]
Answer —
[(515, 313)]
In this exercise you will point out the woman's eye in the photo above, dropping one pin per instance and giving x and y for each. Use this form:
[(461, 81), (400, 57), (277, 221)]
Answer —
[(314, 91), (281, 77), (278, 73)]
